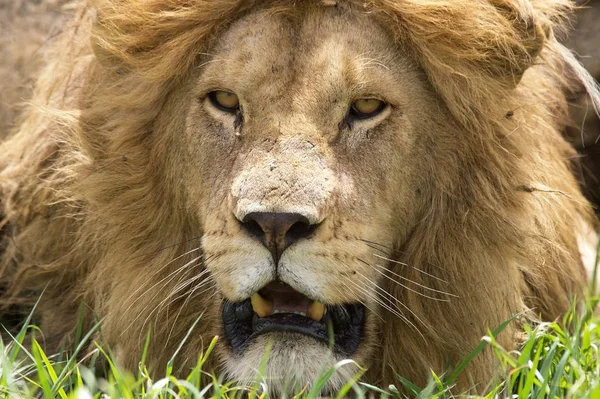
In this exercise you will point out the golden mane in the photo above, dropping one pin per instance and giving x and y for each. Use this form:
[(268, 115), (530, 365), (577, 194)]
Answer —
[(83, 190)]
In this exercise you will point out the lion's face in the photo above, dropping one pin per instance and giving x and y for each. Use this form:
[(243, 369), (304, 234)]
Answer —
[(304, 150), (381, 180)]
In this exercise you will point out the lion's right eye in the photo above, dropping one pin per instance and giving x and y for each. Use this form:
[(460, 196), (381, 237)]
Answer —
[(365, 108), (224, 100)]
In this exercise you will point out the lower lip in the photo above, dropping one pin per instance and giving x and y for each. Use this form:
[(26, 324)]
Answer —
[(242, 325)]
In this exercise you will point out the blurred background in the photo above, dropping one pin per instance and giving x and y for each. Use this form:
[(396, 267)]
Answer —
[(584, 40)]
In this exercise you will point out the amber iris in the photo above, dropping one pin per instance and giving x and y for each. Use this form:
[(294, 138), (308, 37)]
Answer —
[(224, 100), (367, 107)]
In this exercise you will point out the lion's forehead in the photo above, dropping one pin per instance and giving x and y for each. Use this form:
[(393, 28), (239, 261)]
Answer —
[(314, 60)]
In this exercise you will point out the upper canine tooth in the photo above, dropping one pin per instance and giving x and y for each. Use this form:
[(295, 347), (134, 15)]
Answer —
[(316, 310), (261, 306)]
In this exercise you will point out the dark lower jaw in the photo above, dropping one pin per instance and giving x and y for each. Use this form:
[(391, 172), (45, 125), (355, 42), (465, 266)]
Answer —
[(341, 327)]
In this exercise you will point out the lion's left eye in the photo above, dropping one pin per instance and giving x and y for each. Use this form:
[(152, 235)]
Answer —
[(366, 108), (224, 100)]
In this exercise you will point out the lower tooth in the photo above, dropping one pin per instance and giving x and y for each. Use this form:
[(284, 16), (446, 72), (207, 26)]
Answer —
[(300, 313)]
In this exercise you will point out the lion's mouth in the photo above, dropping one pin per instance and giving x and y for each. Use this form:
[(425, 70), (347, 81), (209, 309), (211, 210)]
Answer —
[(279, 308)]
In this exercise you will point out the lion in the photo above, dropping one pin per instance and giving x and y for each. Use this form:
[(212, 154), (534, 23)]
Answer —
[(383, 181)]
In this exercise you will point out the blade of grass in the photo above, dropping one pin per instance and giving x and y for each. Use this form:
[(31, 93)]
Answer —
[(50, 370), (42, 373), (180, 346), (478, 349)]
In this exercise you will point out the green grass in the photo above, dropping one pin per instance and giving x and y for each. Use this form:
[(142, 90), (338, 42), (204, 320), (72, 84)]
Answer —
[(555, 362)]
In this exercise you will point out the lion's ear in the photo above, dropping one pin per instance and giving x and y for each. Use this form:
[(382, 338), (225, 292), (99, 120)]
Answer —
[(475, 52), (498, 38), (519, 49)]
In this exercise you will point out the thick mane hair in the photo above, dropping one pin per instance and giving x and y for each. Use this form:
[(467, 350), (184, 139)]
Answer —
[(84, 192)]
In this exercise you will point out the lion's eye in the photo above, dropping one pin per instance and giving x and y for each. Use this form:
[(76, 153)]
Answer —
[(224, 100), (366, 108)]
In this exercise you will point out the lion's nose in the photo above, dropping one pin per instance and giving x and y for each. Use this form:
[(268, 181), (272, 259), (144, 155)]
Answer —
[(277, 231)]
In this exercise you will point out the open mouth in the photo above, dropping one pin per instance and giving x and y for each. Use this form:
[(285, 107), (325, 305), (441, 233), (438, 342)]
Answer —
[(279, 308)]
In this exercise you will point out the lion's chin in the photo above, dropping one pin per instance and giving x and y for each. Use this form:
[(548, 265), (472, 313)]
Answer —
[(288, 340), (287, 363)]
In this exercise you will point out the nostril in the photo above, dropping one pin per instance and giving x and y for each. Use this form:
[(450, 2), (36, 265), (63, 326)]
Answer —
[(277, 231), (299, 230), (254, 229)]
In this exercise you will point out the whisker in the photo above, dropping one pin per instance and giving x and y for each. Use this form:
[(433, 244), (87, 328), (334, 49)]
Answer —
[(366, 61), (412, 267), (209, 280), (410, 289), (168, 246), (390, 297), (388, 257), (375, 298), (361, 302), (173, 275), (412, 282), (395, 303), (182, 285), (393, 311), (190, 296), (149, 279)]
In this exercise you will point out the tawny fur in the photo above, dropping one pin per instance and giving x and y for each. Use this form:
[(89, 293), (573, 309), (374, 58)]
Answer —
[(92, 209)]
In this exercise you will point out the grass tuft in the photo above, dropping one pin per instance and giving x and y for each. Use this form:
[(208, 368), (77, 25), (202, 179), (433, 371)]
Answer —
[(557, 360), (554, 362)]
